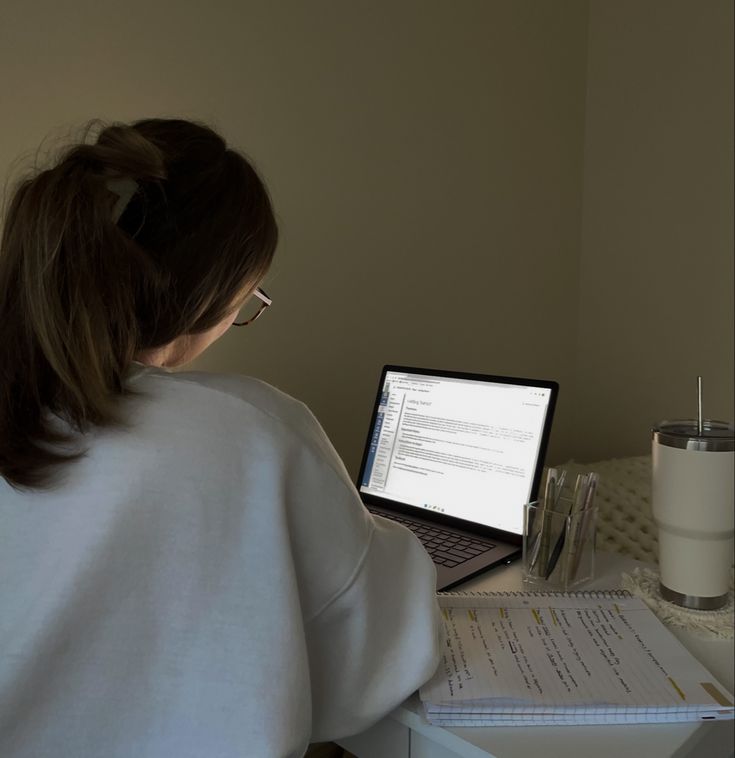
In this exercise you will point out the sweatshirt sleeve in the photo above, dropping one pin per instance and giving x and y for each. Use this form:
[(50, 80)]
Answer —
[(367, 590), (378, 640)]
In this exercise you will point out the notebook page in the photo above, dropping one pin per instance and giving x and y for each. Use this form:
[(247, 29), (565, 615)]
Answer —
[(590, 718), (578, 652)]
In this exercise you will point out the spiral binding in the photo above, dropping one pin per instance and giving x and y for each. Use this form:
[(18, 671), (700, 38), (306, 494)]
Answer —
[(589, 594)]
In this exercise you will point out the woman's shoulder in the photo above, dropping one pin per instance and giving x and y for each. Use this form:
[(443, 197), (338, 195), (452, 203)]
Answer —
[(229, 389), (207, 397)]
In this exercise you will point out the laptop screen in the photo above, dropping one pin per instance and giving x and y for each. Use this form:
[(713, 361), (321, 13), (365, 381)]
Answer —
[(463, 447)]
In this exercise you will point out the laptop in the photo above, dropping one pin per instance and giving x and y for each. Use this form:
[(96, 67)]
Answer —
[(454, 456)]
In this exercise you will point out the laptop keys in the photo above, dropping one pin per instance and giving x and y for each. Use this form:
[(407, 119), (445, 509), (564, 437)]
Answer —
[(462, 555), (445, 548)]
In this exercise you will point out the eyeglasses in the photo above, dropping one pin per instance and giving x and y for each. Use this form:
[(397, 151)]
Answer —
[(253, 308)]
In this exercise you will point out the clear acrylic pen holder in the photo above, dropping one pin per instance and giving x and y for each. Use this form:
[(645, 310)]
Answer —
[(558, 545)]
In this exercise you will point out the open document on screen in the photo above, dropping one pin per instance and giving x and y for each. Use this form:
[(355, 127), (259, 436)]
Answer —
[(465, 448)]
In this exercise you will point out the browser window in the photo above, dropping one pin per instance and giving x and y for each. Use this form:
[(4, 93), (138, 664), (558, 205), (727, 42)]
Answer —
[(464, 448)]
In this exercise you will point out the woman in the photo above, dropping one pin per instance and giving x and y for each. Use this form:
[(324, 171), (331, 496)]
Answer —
[(185, 567)]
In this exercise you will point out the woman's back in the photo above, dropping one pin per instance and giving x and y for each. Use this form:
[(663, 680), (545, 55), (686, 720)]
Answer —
[(204, 582)]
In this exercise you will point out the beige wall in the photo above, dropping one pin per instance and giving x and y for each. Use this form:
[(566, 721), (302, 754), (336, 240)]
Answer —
[(426, 162), (427, 174), (424, 158), (656, 287)]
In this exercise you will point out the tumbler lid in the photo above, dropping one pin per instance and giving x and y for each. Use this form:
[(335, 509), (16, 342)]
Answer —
[(716, 436)]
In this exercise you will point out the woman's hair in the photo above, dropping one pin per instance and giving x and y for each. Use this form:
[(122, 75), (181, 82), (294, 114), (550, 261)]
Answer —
[(82, 292)]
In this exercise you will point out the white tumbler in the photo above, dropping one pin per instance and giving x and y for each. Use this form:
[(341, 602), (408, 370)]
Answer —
[(694, 508)]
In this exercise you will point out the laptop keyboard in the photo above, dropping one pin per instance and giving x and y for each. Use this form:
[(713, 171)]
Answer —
[(445, 548)]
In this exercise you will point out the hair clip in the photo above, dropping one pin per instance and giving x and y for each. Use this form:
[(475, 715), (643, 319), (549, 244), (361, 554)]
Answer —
[(124, 188)]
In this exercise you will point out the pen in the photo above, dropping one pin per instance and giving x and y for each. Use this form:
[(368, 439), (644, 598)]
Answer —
[(578, 500), (560, 486), (577, 487), (550, 489), (537, 514), (534, 517), (577, 504), (557, 549), (581, 522), (534, 540), (591, 489), (542, 556)]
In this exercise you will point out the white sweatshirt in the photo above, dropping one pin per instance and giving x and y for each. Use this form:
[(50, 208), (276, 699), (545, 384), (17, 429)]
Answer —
[(205, 583)]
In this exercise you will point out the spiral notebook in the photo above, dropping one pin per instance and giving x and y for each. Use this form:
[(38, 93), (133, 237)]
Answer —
[(532, 658)]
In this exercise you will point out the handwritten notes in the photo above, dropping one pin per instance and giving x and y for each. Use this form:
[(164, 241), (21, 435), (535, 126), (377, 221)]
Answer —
[(525, 653)]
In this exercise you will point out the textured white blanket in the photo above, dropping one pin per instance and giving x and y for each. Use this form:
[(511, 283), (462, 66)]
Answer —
[(625, 523)]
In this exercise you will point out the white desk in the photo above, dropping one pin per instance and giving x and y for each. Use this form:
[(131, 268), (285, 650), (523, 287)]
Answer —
[(405, 733)]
